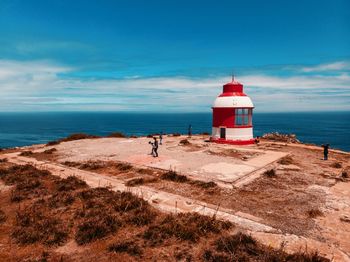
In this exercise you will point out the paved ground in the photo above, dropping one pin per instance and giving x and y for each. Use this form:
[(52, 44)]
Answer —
[(200, 160)]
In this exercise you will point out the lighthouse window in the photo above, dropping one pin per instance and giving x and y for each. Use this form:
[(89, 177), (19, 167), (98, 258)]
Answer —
[(243, 116)]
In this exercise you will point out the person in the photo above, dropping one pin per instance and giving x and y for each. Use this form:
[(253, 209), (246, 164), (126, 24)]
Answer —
[(155, 147), (160, 138), (257, 140), (325, 151), (189, 130)]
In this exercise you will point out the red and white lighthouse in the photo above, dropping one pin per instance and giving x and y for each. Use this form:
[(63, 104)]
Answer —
[(232, 116)]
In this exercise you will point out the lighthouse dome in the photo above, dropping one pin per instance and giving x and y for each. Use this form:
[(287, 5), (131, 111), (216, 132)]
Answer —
[(233, 101)]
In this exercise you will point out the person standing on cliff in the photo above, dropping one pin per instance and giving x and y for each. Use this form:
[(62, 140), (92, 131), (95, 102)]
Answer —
[(325, 151), (155, 147), (189, 130), (160, 138)]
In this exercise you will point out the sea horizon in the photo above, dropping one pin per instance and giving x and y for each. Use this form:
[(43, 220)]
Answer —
[(28, 128)]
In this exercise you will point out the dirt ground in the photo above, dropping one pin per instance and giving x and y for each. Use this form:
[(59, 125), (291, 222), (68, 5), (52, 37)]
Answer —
[(305, 197)]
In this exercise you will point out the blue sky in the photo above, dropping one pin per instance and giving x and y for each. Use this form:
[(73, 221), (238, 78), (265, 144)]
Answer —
[(151, 55)]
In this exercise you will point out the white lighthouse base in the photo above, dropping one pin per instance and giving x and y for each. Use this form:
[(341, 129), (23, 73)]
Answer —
[(236, 136)]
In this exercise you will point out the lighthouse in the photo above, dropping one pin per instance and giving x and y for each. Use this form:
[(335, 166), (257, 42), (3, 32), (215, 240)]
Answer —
[(232, 116)]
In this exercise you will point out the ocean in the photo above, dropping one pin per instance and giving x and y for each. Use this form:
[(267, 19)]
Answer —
[(21, 129)]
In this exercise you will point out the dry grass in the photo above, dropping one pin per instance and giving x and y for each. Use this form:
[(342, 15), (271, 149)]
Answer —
[(34, 225), (242, 247), (174, 176), (287, 160), (3, 160), (129, 247), (176, 134), (72, 137), (123, 166), (70, 183), (116, 134), (2, 216), (204, 185), (50, 151), (270, 173), (26, 153), (313, 213), (184, 142), (184, 226), (140, 181), (336, 165)]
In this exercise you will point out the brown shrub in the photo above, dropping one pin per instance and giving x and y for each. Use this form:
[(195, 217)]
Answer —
[(78, 136), (20, 173), (174, 176), (71, 164), (135, 182), (27, 189), (3, 160), (2, 216), (123, 166), (270, 173), (312, 213), (184, 142), (242, 247), (336, 165), (92, 165), (70, 183), (140, 181), (26, 153), (176, 134), (129, 247), (95, 227), (34, 225), (344, 174), (53, 143), (116, 134), (50, 151), (287, 160), (185, 226), (205, 134), (61, 199), (204, 185)]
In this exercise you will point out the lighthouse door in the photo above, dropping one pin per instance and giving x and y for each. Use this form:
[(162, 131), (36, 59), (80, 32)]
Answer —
[(223, 132)]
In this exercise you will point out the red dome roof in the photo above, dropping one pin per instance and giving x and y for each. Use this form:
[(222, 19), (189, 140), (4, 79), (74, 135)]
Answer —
[(233, 88)]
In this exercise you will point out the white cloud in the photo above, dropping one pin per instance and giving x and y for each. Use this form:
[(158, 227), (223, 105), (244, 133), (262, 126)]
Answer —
[(336, 66), (38, 85)]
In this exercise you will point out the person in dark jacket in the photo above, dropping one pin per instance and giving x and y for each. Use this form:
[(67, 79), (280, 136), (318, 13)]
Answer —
[(189, 130), (155, 147), (160, 138), (325, 151)]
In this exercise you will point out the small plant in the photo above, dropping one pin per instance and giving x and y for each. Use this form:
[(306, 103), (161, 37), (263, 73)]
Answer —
[(123, 166), (176, 134), (184, 142), (3, 160), (336, 165), (53, 143), (96, 227), (2, 216), (204, 185), (92, 165), (78, 136), (70, 183), (128, 247), (26, 153), (174, 176), (344, 174), (270, 173), (312, 213), (116, 134), (287, 160), (205, 134), (50, 151), (185, 226), (33, 225)]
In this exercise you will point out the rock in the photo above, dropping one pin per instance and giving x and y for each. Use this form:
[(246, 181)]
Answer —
[(345, 218), (289, 138)]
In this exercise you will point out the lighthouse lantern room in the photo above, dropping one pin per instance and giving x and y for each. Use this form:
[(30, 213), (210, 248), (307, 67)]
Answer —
[(232, 116)]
